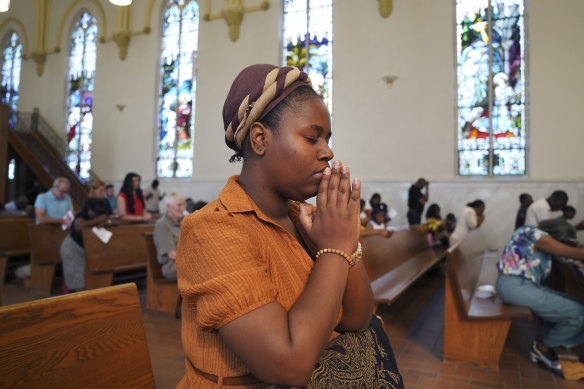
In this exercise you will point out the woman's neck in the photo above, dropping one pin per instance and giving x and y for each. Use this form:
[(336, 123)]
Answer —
[(271, 203)]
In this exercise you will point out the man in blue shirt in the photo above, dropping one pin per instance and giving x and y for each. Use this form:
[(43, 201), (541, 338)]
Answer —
[(53, 206)]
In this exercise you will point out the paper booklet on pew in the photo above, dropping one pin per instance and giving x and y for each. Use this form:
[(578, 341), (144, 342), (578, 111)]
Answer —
[(103, 234)]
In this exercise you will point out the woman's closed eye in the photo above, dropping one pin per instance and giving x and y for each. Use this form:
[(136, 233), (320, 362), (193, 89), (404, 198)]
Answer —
[(311, 139)]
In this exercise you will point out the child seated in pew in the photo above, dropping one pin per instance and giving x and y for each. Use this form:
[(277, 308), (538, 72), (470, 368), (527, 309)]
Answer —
[(96, 212), (436, 226)]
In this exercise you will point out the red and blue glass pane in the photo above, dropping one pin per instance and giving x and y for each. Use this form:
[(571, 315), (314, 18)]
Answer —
[(177, 89), (82, 59), (491, 90), (10, 84)]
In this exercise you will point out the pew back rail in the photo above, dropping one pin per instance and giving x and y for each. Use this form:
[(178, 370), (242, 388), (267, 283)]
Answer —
[(92, 339), (125, 251)]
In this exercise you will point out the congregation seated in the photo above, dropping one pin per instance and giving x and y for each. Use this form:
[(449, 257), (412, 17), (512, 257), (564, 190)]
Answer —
[(130, 201), (95, 213), (167, 233), (110, 196), (436, 226)]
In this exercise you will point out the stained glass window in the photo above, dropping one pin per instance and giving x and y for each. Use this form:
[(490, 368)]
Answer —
[(80, 83), (491, 87), (10, 84), (178, 62), (307, 42)]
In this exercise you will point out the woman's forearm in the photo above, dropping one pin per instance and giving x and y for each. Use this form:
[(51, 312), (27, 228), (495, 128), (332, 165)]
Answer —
[(357, 300)]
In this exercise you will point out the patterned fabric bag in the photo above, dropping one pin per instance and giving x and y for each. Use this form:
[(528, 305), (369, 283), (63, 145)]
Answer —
[(361, 359)]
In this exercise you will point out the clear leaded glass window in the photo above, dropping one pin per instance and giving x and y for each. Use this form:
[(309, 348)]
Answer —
[(307, 42), (82, 56), (178, 61), (11, 61), (491, 87)]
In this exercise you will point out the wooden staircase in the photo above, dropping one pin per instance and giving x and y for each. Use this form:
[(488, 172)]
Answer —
[(29, 139)]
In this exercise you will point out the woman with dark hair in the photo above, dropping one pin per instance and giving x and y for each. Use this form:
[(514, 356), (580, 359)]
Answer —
[(524, 265), (274, 291), (472, 218), (131, 200)]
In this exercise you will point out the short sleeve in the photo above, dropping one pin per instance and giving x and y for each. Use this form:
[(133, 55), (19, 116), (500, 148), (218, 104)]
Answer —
[(40, 202), (220, 269), (535, 234)]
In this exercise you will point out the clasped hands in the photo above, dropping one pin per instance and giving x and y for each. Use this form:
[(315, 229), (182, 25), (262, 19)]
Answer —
[(336, 223)]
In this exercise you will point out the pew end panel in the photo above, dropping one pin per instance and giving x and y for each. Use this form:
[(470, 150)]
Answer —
[(14, 240), (475, 329), (45, 254), (161, 294), (91, 339)]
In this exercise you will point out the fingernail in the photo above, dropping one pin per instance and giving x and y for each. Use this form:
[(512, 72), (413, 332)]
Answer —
[(345, 170), (337, 164), (327, 171), (356, 181)]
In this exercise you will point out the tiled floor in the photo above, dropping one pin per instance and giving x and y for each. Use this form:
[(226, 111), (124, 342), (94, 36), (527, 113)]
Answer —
[(415, 327)]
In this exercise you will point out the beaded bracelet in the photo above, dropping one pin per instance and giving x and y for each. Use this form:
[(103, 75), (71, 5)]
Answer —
[(352, 259)]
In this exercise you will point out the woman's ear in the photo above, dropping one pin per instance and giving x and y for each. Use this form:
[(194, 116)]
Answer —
[(257, 138)]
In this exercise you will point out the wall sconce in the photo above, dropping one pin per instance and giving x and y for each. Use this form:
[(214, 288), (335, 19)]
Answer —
[(121, 2), (120, 107), (4, 5), (389, 80), (233, 12)]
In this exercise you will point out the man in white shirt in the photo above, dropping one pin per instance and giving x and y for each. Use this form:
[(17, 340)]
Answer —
[(542, 209)]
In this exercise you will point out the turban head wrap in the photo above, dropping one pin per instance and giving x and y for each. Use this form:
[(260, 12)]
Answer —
[(254, 93)]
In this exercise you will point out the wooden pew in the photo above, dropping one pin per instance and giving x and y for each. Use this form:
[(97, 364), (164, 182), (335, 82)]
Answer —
[(394, 264), (91, 339), (45, 254), (14, 241), (125, 251), (475, 329), (161, 293)]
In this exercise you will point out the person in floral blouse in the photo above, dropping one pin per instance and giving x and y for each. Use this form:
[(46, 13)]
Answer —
[(525, 263)]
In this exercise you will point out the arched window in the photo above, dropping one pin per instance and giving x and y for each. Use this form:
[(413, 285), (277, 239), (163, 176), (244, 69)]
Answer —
[(491, 87), (178, 63), (307, 42), (82, 55), (11, 61)]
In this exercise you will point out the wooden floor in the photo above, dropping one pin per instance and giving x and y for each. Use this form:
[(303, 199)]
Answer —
[(415, 327)]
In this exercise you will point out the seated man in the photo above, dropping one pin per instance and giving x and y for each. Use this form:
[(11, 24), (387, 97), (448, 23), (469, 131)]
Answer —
[(167, 232), (55, 206)]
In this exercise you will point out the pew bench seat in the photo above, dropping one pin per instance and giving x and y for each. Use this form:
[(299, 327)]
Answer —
[(396, 263), (475, 328)]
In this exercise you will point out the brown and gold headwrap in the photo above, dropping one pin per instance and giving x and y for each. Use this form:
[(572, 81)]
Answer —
[(254, 93)]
